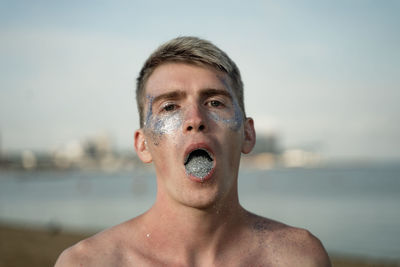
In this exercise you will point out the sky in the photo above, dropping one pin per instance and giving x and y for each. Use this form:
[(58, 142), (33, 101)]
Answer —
[(321, 75)]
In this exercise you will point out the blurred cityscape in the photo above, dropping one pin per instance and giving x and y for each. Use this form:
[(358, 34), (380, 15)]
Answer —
[(98, 153)]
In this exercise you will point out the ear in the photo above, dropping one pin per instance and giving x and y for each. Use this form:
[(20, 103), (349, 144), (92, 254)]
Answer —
[(249, 136), (141, 147)]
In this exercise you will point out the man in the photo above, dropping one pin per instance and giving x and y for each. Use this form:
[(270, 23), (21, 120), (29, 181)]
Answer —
[(194, 129)]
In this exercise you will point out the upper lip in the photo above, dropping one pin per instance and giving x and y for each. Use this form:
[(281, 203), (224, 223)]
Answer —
[(196, 146)]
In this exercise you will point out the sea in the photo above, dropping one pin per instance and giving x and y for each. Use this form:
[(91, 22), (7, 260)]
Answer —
[(353, 210)]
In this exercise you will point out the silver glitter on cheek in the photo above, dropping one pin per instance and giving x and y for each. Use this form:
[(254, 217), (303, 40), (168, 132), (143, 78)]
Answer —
[(161, 124), (233, 121), (167, 124)]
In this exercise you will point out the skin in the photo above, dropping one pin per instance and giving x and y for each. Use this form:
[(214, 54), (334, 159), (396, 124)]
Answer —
[(195, 222)]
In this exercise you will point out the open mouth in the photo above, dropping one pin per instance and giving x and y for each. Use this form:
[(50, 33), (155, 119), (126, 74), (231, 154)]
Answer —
[(199, 163)]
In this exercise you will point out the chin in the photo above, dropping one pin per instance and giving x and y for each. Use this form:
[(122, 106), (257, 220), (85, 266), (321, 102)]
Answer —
[(202, 205), (208, 194), (204, 199)]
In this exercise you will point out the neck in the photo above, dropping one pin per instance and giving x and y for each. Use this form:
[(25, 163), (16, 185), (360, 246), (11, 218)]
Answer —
[(193, 232)]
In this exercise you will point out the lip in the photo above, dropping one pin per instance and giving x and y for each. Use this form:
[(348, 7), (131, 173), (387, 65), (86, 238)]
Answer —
[(207, 148)]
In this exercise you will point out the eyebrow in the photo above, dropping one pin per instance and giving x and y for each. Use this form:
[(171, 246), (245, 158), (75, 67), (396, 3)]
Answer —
[(169, 95), (212, 92), (178, 94)]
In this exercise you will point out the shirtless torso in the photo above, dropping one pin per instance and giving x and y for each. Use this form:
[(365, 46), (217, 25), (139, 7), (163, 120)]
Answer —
[(255, 241)]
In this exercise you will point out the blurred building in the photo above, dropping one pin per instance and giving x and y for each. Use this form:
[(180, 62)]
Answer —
[(268, 153)]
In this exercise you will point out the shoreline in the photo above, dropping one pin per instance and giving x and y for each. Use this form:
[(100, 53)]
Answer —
[(27, 246)]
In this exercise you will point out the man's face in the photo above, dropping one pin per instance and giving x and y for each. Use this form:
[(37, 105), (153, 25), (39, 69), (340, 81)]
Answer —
[(194, 133)]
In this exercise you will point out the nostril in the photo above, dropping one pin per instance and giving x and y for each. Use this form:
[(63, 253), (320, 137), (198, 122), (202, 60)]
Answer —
[(201, 127), (189, 128)]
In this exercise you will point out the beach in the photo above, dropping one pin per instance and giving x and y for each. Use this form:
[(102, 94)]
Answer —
[(20, 246)]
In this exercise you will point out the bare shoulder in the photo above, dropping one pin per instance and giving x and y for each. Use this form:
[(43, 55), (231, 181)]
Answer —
[(77, 255), (291, 246), (106, 248), (306, 248)]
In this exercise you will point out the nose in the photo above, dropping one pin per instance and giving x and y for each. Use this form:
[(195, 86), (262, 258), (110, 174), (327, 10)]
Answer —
[(194, 120)]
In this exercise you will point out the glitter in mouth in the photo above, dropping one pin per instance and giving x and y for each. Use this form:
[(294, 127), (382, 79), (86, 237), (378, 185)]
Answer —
[(199, 163)]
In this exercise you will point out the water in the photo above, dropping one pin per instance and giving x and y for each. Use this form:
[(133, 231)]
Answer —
[(354, 211)]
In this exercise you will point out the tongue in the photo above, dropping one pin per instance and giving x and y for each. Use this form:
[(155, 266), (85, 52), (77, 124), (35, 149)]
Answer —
[(199, 165)]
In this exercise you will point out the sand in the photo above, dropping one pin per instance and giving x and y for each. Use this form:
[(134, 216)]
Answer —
[(40, 247), (33, 247)]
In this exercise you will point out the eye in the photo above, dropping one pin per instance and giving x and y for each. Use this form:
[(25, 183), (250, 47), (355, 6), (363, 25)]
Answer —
[(215, 103), (169, 107)]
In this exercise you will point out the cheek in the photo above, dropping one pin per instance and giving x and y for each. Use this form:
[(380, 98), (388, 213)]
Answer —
[(232, 120), (235, 118), (167, 124), (158, 126)]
